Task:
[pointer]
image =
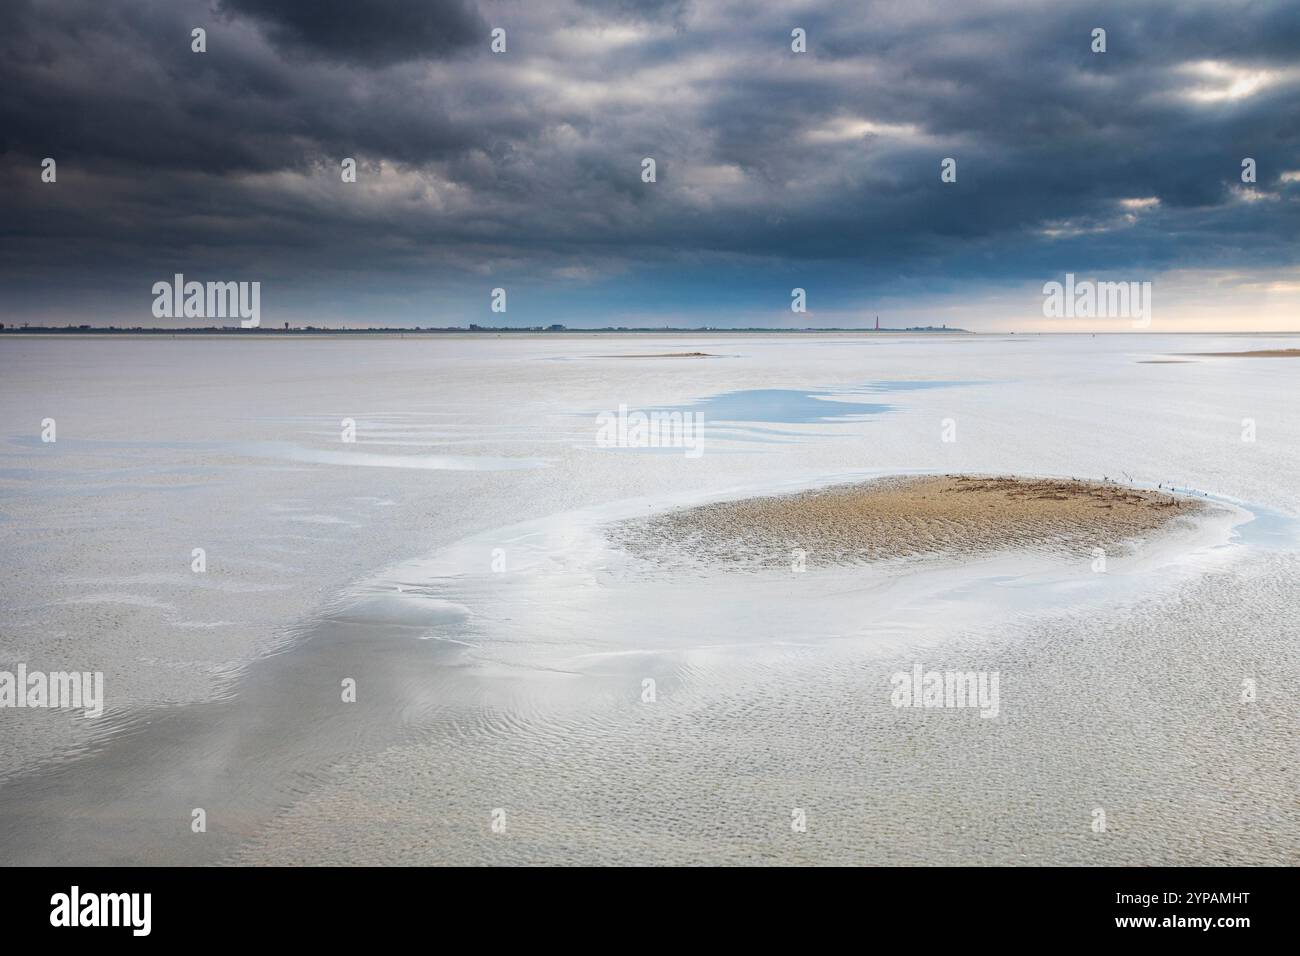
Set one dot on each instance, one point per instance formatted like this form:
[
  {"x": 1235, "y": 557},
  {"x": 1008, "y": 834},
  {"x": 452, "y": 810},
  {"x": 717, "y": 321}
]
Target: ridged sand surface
[{"x": 909, "y": 516}]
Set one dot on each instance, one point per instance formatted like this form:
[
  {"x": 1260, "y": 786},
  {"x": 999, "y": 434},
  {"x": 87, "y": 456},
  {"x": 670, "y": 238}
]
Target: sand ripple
[{"x": 908, "y": 516}]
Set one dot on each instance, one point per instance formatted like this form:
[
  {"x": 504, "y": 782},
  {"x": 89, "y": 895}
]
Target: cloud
[
  {"x": 774, "y": 168},
  {"x": 671, "y": 10},
  {"x": 374, "y": 33}
]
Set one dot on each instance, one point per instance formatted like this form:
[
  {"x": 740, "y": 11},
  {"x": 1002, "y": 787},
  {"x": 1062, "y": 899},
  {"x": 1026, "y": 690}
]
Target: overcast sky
[{"x": 775, "y": 169}]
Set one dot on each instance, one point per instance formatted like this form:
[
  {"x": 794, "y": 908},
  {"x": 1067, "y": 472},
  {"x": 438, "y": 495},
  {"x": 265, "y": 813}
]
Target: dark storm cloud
[
  {"x": 478, "y": 169},
  {"x": 377, "y": 32}
]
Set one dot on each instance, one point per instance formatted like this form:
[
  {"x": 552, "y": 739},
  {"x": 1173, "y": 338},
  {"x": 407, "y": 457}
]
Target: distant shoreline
[{"x": 317, "y": 330}]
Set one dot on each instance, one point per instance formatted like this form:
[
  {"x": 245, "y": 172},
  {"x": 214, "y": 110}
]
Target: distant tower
[{"x": 877, "y": 323}]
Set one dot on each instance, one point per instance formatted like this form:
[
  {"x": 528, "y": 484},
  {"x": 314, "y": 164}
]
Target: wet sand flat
[
  {"x": 909, "y": 516},
  {"x": 1121, "y": 691}
]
